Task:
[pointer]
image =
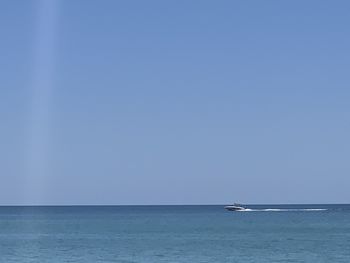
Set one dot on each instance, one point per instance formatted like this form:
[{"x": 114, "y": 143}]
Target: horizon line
[{"x": 75, "y": 205}]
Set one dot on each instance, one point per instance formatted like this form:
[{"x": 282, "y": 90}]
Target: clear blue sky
[{"x": 174, "y": 102}]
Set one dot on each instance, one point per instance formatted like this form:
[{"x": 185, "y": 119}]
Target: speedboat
[{"x": 235, "y": 207}]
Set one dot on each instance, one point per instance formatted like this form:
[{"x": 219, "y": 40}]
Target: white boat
[{"x": 235, "y": 207}]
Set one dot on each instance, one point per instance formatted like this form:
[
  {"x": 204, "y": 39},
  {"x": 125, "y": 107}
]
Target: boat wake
[{"x": 283, "y": 210}]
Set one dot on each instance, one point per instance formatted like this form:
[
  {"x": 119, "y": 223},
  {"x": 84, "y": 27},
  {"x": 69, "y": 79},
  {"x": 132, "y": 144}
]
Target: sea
[{"x": 263, "y": 233}]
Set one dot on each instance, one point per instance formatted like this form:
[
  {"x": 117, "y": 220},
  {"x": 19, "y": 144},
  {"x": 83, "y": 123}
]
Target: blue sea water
[{"x": 269, "y": 233}]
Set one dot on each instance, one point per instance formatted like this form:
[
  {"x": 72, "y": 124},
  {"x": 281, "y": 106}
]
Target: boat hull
[{"x": 234, "y": 208}]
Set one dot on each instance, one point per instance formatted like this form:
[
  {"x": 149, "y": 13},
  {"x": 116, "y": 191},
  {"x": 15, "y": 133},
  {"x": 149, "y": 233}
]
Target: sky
[{"x": 174, "y": 102}]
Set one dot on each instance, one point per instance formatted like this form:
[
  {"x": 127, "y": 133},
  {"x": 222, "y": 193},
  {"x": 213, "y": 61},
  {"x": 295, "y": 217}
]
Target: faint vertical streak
[{"x": 42, "y": 87}]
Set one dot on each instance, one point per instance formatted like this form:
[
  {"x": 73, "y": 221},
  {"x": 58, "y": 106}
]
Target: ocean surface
[{"x": 267, "y": 233}]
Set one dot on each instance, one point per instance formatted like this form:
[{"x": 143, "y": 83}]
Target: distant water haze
[{"x": 163, "y": 102}]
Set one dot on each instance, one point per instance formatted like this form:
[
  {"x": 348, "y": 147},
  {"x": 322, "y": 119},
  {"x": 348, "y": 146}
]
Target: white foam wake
[{"x": 283, "y": 210}]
